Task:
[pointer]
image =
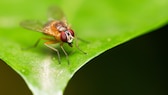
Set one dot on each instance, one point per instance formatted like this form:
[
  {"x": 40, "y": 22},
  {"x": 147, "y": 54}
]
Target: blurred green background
[{"x": 138, "y": 67}]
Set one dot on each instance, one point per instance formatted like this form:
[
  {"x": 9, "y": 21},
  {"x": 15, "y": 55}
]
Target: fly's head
[
  {"x": 66, "y": 33},
  {"x": 67, "y": 36}
]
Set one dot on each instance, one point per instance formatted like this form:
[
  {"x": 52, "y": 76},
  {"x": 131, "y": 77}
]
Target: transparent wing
[
  {"x": 32, "y": 25},
  {"x": 55, "y": 13}
]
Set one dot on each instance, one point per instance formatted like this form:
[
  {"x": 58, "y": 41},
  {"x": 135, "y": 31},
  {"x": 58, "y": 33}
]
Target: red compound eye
[
  {"x": 72, "y": 32},
  {"x": 63, "y": 37}
]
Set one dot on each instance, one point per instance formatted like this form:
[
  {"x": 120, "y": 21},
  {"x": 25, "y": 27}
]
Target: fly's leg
[
  {"x": 36, "y": 44},
  {"x": 82, "y": 40},
  {"x": 77, "y": 46},
  {"x": 53, "y": 42},
  {"x": 65, "y": 53}
]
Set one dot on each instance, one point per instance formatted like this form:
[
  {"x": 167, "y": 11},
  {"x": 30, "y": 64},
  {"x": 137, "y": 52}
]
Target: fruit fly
[{"x": 56, "y": 27}]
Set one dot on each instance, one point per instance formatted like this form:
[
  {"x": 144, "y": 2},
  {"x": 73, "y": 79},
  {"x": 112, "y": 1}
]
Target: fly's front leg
[{"x": 77, "y": 46}]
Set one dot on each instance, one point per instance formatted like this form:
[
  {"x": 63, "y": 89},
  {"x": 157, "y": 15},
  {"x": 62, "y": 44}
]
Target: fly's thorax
[{"x": 50, "y": 29}]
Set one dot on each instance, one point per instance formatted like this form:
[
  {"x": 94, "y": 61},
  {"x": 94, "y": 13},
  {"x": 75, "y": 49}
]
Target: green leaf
[{"x": 104, "y": 23}]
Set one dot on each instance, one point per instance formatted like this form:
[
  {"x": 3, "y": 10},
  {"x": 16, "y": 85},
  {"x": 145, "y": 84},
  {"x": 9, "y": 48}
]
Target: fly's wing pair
[
  {"x": 53, "y": 13},
  {"x": 33, "y": 25}
]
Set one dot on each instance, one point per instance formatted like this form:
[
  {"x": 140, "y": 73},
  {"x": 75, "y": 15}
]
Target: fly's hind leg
[{"x": 36, "y": 44}]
